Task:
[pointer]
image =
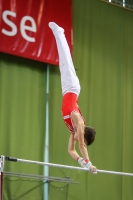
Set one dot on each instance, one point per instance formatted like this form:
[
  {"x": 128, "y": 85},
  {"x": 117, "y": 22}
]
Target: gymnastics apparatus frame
[{"x": 67, "y": 180}]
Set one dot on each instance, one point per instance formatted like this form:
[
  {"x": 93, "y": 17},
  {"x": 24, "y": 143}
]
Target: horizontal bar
[
  {"x": 39, "y": 177},
  {"x": 66, "y": 166},
  {"x": 114, "y": 172}
]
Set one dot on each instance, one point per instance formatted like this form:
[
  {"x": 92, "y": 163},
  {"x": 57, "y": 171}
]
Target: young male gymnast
[{"x": 72, "y": 116}]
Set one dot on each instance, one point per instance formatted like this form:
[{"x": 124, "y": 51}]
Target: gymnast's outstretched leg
[{"x": 69, "y": 79}]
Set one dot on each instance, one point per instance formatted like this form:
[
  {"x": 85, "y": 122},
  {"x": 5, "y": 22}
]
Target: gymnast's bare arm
[
  {"x": 71, "y": 147},
  {"x": 78, "y": 125}
]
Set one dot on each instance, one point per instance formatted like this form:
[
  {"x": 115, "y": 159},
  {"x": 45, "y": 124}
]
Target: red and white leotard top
[{"x": 69, "y": 105}]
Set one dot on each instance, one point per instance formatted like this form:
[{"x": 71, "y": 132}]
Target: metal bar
[
  {"x": 2, "y": 162},
  {"x": 33, "y": 176},
  {"x": 46, "y": 148},
  {"x": 119, "y": 4},
  {"x": 39, "y": 177},
  {"x": 66, "y": 166},
  {"x": 114, "y": 172},
  {"x": 0, "y": 182}
]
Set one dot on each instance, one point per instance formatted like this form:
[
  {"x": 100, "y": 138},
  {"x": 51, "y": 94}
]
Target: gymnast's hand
[
  {"x": 91, "y": 168},
  {"x": 87, "y": 164}
]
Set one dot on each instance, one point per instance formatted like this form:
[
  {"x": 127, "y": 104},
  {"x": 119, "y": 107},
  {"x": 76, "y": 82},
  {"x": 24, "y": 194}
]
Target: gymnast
[{"x": 71, "y": 113}]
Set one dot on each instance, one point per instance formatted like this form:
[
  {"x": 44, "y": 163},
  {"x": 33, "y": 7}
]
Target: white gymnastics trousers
[{"x": 69, "y": 79}]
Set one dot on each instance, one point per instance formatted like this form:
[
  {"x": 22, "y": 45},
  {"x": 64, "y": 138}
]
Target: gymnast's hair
[{"x": 89, "y": 135}]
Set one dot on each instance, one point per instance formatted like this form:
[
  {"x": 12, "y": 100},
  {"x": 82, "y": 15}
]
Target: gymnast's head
[{"x": 89, "y": 135}]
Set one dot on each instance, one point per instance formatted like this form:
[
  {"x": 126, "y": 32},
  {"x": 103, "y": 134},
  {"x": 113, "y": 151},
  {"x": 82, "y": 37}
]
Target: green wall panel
[
  {"x": 22, "y": 121},
  {"x": 102, "y": 55}
]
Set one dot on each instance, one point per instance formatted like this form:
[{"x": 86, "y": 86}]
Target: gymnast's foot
[{"x": 55, "y": 27}]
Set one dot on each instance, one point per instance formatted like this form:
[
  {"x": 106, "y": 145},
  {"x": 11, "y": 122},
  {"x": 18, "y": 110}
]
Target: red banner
[{"x": 24, "y": 27}]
